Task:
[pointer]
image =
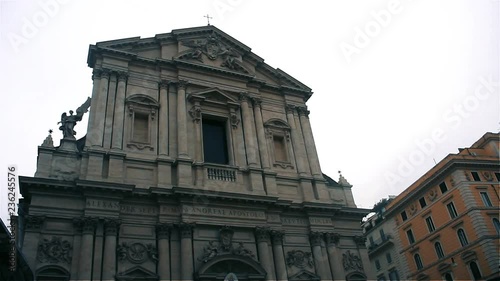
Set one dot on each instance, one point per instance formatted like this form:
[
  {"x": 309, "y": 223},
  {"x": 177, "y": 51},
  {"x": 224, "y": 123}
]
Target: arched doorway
[{"x": 244, "y": 268}]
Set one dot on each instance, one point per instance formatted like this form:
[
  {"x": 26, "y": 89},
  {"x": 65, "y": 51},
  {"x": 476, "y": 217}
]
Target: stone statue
[{"x": 69, "y": 122}]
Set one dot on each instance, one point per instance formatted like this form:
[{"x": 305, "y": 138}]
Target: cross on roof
[{"x": 208, "y": 18}]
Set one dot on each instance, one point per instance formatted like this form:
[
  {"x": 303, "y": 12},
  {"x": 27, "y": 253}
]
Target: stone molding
[
  {"x": 262, "y": 234},
  {"x": 316, "y": 237}
]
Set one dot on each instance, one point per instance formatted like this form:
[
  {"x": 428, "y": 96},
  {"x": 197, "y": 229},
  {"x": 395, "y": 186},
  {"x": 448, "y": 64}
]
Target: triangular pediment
[
  {"x": 303, "y": 275},
  {"x": 214, "y": 95},
  {"x": 137, "y": 273},
  {"x": 206, "y": 49}
]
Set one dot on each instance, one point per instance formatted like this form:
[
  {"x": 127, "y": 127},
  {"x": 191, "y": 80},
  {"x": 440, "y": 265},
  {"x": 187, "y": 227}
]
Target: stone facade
[{"x": 141, "y": 198}]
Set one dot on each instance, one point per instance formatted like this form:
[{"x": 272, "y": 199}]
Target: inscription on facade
[
  {"x": 213, "y": 211},
  {"x": 320, "y": 221},
  {"x": 294, "y": 221},
  {"x": 145, "y": 210},
  {"x": 102, "y": 204}
]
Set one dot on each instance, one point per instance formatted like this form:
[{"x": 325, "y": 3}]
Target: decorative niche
[
  {"x": 278, "y": 141},
  {"x": 140, "y": 122}
]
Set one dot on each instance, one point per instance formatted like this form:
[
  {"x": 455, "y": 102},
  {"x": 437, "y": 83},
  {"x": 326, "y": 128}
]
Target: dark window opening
[
  {"x": 476, "y": 274},
  {"x": 486, "y": 199},
  {"x": 452, "y": 210},
  {"x": 462, "y": 237},
  {"x": 448, "y": 277},
  {"x": 404, "y": 216},
  {"x": 388, "y": 257},
  {"x": 430, "y": 224},
  {"x": 411, "y": 238},
  {"x": 439, "y": 250},
  {"x": 497, "y": 175},
  {"x": 422, "y": 202},
  {"x": 475, "y": 176},
  {"x": 418, "y": 261},
  {"x": 215, "y": 142},
  {"x": 443, "y": 187}
]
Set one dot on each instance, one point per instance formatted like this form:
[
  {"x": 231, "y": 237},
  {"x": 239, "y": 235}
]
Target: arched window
[
  {"x": 462, "y": 237},
  {"x": 474, "y": 269},
  {"x": 496, "y": 223},
  {"x": 448, "y": 277},
  {"x": 418, "y": 261},
  {"x": 52, "y": 273},
  {"x": 439, "y": 250}
]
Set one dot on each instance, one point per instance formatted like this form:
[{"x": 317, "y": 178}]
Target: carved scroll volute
[
  {"x": 88, "y": 225},
  {"x": 186, "y": 230},
  {"x": 163, "y": 230},
  {"x": 332, "y": 239},
  {"x": 111, "y": 227},
  {"x": 34, "y": 223},
  {"x": 316, "y": 237},
  {"x": 262, "y": 234}
]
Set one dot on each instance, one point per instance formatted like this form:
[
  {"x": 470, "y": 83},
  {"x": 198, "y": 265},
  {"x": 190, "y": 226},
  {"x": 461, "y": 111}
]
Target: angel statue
[{"x": 69, "y": 122}]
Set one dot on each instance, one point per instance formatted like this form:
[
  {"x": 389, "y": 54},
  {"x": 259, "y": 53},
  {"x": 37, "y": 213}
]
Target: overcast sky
[{"x": 397, "y": 85}]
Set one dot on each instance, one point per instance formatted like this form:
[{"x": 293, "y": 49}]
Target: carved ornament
[
  {"x": 262, "y": 234},
  {"x": 224, "y": 246},
  {"x": 186, "y": 230},
  {"x": 332, "y": 238},
  {"x": 299, "y": 259},
  {"x": 34, "y": 222},
  {"x": 316, "y": 237},
  {"x": 432, "y": 194},
  {"x": 111, "y": 227},
  {"x": 55, "y": 250},
  {"x": 351, "y": 261},
  {"x": 163, "y": 230},
  {"x": 136, "y": 252}
]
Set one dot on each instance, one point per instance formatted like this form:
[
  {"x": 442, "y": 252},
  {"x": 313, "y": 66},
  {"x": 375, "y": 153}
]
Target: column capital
[
  {"x": 34, "y": 223},
  {"x": 186, "y": 229},
  {"x": 163, "y": 230},
  {"x": 262, "y": 234},
  {"x": 105, "y": 73},
  {"x": 164, "y": 83},
  {"x": 111, "y": 226},
  {"x": 96, "y": 73},
  {"x": 290, "y": 108},
  {"x": 182, "y": 84},
  {"x": 244, "y": 97},
  {"x": 122, "y": 76},
  {"x": 87, "y": 224},
  {"x": 257, "y": 102},
  {"x": 359, "y": 240},
  {"x": 332, "y": 238},
  {"x": 277, "y": 236},
  {"x": 302, "y": 110},
  {"x": 316, "y": 237}
]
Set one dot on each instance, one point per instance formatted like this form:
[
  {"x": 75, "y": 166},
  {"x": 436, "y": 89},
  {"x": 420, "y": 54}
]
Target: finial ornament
[
  {"x": 208, "y": 18},
  {"x": 69, "y": 122}
]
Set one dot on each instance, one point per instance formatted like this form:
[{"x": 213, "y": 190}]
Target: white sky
[{"x": 416, "y": 72}]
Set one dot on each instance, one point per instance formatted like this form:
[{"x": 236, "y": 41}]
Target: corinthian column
[
  {"x": 248, "y": 131},
  {"x": 182, "y": 141},
  {"x": 96, "y": 78},
  {"x": 261, "y": 137},
  {"x": 279, "y": 259},
  {"x": 100, "y": 110},
  {"x": 316, "y": 238},
  {"x": 312, "y": 155},
  {"x": 163, "y": 236},
  {"x": 163, "y": 119},
  {"x": 298, "y": 146},
  {"x": 334, "y": 256},
  {"x": 186, "y": 231},
  {"x": 119, "y": 113},
  {"x": 263, "y": 239},
  {"x": 111, "y": 227},
  {"x": 88, "y": 228}
]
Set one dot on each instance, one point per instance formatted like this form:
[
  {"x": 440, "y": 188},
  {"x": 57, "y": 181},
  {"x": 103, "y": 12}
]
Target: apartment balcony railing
[{"x": 379, "y": 244}]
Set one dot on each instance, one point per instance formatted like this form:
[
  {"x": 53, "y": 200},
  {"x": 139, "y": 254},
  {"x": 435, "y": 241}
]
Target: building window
[
  {"x": 215, "y": 142},
  {"x": 382, "y": 234},
  {"x": 451, "y": 209},
  {"x": 422, "y": 202},
  {"x": 418, "y": 261},
  {"x": 141, "y": 128},
  {"x": 388, "y": 257},
  {"x": 474, "y": 269},
  {"x": 496, "y": 223},
  {"x": 462, "y": 237},
  {"x": 280, "y": 153},
  {"x": 393, "y": 275},
  {"x": 497, "y": 175},
  {"x": 439, "y": 250},
  {"x": 448, "y": 277},
  {"x": 443, "y": 187},
  {"x": 372, "y": 243},
  {"x": 475, "y": 176},
  {"x": 377, "y": 264},
  {"x": 404, "y": 216},
  {"x": 486, "y": 199},
  {"x": 430, "y": 224},
  {"x": 381, "y": 278},
  {"x": 278, "y": 133},
  {"x": 411, "y": 238}
]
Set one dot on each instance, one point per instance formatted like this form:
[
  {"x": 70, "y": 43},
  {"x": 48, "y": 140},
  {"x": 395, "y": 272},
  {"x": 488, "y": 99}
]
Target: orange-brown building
[{"x": 448, "y": 220}]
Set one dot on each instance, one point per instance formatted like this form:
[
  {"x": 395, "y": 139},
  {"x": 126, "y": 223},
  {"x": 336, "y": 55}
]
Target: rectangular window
[
  {"x": 430, "y": 224},
  {"x": 381, "y": 278},
  {"x": 418, "y": 261},
  {"x": 377, "y": 264},
  {"x": 280, "y": 149},
  {"x": 497, "y": 175},
  {"x": 215, "y": 142},
  {"x": 411, "y": 238},
  {"x": 475, "y": 176},
  {"x": 451, "y": 210},
  {"x": 486, "y": 199},
  {"x": 388, "y": 257},
  {"x": 422, "y": 202},
  {"x": 372, "y": 243},
  {"x": 393, "y": 275},
  {"x": 141, "y": 128},
  {"x": 443, "y": 187},
  {"x": 403, "y": 215},
  {"x": 382, "y": 234}
]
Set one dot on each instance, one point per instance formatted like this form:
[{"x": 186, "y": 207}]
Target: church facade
[{"x": 199, "y": 163}]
